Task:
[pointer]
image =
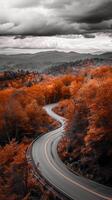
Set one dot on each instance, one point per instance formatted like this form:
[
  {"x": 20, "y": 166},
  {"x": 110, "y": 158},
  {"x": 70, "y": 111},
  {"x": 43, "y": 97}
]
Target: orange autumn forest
[{"x": 84, "y": 99}]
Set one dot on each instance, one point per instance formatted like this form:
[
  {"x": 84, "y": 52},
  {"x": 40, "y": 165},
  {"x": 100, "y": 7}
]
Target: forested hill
[{"x": 43, "y": 60}]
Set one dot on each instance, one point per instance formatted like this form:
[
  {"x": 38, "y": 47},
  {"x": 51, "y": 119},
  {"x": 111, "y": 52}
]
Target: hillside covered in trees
[
  {"x": 87, "y": 145},
  {"x": 84, "y": 99}
]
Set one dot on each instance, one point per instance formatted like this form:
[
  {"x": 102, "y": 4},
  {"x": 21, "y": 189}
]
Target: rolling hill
[{"x": 43, "y": 60}]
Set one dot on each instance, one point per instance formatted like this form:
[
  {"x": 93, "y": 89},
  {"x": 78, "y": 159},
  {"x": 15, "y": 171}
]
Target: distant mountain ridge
[{"x": 43, "y": 60}]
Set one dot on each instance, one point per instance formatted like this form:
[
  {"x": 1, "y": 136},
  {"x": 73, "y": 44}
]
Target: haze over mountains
[{"x": 43, "y": 60}]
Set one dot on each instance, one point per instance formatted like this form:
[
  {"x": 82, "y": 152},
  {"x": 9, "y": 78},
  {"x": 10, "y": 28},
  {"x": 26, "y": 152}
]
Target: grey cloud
[
  {"x": 56, "y": 4},
  {"x": 19, "y": 37},
  {"x": 26, "y": 3},
  {"x": 55, "y": 17},
  {"x": 89, "y": 35},
  {"x": 97, "y": 15}
]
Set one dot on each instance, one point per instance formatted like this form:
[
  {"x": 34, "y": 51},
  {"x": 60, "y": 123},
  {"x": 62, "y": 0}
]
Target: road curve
[{"x": 45, "y": 157}]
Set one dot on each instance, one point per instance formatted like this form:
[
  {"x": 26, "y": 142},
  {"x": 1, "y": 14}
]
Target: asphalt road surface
[{"x": 45, "y": 157}]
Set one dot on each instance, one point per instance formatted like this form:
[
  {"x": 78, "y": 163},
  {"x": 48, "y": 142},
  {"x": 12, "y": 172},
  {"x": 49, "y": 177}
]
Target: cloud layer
[
  {"x": 52, "y": 17},
  {"x": 97, "y": 43}
]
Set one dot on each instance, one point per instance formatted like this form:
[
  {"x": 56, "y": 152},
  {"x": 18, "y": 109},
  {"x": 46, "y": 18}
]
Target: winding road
[{"x": 45, "y": 156}]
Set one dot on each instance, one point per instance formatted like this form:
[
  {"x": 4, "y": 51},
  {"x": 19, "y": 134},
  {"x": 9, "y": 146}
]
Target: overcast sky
[
  {"x": 51, "y": 17},
  {"x": 87, "y": 18}
]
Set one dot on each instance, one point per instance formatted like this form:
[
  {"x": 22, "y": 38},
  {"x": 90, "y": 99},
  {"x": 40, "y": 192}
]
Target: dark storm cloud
[
  {"x": 96, "y": 15},
  {"x": 51, "y": 17},
  {"x": 19, "y": 37},
  {"x": 89, "y": 35}
]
